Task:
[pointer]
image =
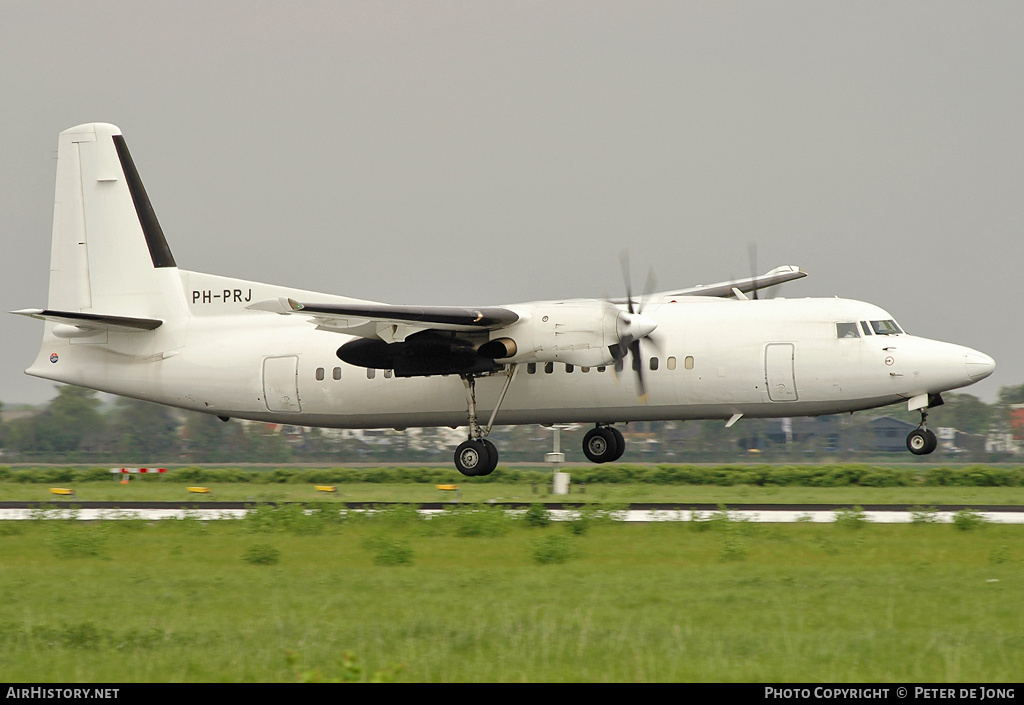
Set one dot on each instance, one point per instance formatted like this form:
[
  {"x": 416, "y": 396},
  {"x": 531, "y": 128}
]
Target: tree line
[{"x": 77, "y": 426}]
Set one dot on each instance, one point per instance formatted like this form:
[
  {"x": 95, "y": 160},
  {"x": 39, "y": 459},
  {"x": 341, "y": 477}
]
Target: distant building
[
  {"x": 888, "y": 434},
  {"x": 1002, "y": 443},
  {"x": 954, "y": 441},
  {"x": 817, "y": 432},
  {"x": 1017, "y": 421},
  {"x": 14, "y": 414}
]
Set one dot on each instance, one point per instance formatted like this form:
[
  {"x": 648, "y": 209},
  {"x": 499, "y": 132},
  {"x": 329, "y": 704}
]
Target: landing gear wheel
[
  {"x": 473, "y": 458},
  {"x": 921, "y": 441},
  {"x": 620, "y": 444},
  {"x": 601, "y": 444},
  {"x": 492, "y": 453}
]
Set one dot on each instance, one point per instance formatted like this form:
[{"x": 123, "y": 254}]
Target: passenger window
[
  {"x": 688, "y": 362},
  {"x": 847, "y": 330},
  {"x": 584, "y": 369},
  {"x": 531, "y": 368},
  {"x": 601, "y": 368},
  {"x": 549, "y": 367},
  {"x": 370, "y": 373},
  {"x": 654, "y": 364},
  {"x": 671, "y": 363},
  {"x": 319, "y": 374},
  {"x": 568, "y": 368},
  {"x": 388, "y": 373},
  {"x": 337, "y": 373}
]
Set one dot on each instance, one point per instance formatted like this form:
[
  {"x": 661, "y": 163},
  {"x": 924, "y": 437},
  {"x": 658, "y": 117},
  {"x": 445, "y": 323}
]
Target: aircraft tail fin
[{"x": 109, "y": 256}]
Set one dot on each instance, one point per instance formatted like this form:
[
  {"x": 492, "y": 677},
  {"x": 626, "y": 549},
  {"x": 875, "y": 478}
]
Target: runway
[{"x": 635, "y": 513}]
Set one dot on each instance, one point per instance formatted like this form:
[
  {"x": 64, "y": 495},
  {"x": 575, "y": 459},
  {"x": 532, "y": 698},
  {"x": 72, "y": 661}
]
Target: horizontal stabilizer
[{"x": 92, "y": 321}]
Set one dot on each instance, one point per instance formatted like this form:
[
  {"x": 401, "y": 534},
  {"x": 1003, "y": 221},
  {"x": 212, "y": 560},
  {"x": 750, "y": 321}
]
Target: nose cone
[
  {"x": 633, "y": 326},
  {"x": 979, "y": 365}
]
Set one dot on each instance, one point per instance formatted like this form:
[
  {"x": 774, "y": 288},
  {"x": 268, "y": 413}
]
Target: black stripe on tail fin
[{"x": 158, "y": 249}]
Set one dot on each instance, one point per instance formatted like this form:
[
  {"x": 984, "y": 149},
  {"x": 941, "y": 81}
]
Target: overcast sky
[{"x": 492, "y": 152}]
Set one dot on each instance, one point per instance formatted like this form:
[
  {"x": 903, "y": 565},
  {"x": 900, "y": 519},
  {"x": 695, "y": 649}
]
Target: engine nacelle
[
  {"x": 583, "y": 333},
  {"x": 499, "y": 349},
  {"x": 426, "y": 353}
]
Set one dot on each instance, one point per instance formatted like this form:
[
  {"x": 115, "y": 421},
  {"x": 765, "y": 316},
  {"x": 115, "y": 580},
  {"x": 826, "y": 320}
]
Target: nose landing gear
[{"x": 921, "y": 440}]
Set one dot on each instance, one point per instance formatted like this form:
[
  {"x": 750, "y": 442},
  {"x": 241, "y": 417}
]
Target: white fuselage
[
  {"x": 122, "y": 318},
  {"x": 713, "y": 358}
]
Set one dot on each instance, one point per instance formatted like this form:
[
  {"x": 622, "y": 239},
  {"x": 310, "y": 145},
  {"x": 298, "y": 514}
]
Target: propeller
[
  {"x": 752, "y": 254},
  {"x": 632, "y": 325},
  {"x": 755, "y": 276}
]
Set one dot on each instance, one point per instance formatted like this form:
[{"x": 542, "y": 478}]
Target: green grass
[
  {"x": 155, "y": 490},
  {"x": 845, "y": 483},
  {"x": 476, "y": 596}
]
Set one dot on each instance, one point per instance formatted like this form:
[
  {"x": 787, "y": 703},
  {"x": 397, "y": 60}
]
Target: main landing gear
[
  {"x": 477, "y": 456},
  {"x": 603, "y": 444},
  {"x": 921, "y": 440}
]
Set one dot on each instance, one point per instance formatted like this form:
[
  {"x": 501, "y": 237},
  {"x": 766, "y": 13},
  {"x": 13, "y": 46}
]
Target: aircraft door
[
  {"x": 280, "y": 383},
  {"x": 778, "y": 371}
]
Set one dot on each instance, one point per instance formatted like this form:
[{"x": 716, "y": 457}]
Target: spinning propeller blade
[{"x": 635, "y": 326}]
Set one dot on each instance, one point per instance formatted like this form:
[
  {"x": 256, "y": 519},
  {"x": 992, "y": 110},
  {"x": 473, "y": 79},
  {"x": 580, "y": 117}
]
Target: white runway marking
[{"x": 632, "y": 515}]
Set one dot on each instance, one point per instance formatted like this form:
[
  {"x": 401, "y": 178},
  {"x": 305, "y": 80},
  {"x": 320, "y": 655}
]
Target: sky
[{"x": 485, "y": 153}]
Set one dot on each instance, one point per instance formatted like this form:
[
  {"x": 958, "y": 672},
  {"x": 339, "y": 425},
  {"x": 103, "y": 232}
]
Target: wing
[
  {"x": 391, "y": 323},
  {"x": 775, "y": 277}
]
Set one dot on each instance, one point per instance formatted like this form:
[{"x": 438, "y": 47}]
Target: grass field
[
  {"x": 155, "y": 490},
  {"x": 844, "y": 483},
  {"x": 477, "y": 596}
]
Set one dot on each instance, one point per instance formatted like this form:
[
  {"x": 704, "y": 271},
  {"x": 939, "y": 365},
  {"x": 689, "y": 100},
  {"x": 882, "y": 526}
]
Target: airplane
[{"x": 122, "y": 318}]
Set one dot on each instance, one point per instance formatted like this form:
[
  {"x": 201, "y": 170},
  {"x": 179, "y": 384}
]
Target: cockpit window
[
  {"x": 847, "y": 330},
  {"x": 865, "y": 327},
  {"x": 885, "y": 327}
]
